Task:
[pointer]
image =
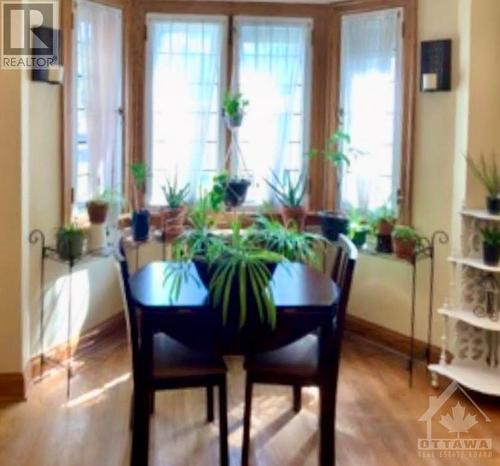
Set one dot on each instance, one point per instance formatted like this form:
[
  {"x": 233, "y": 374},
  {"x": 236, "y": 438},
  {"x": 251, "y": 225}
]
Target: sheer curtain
[
  {"x": 271, "y": 69},
  {"x": 370, "y": 97},
  {"x": 184, "y": 139},
  {"x": 98, "y": 99}
]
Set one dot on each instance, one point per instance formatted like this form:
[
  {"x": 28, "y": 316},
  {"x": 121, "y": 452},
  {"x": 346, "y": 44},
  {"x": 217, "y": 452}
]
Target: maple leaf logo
[{"x": 459, "y": 422}]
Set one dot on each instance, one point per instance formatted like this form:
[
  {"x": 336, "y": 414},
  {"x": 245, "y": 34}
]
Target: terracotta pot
[
  {"x": 385, "y": 227},
  {"x": 98, "y": 211},
  {"x": 173, "y": 221},
  {"x": 404, "y": 249},
  {"x": 297, "y": 215}
]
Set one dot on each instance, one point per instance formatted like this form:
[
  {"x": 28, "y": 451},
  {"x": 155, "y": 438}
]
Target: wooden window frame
[
  {"x": 67, "y": 26},
  {"x": 324, "y": 92}
]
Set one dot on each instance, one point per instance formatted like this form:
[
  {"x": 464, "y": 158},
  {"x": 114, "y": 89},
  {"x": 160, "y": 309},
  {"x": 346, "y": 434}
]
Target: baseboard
[
  {"x": 86, "y": 343},
  {"x": 388, "y": 338}
]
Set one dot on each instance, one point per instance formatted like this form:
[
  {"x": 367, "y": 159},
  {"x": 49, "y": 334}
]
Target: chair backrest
[
  {"x": 342, "y": 273},
  {"x": 129, "y": 308}
]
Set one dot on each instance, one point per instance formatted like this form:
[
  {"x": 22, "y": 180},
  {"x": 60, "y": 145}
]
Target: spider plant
[
  {"x": 288, "y": 241},
  {"x": 489, "y": 176},
  {"x": 240, "y": 266}
]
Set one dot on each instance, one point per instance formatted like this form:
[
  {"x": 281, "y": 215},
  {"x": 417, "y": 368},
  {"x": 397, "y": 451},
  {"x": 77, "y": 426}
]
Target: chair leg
[
  {"x": 297, "y": 398},
  {"x": 224, "y": 450},
  {"x": 152, "y": 403},
  {"x": 210, "y": 403},
  {"x": 246, "y": 422}
]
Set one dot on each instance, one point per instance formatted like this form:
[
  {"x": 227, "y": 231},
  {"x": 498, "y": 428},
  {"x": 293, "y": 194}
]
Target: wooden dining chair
[
  {"x": 176, "y": 366},
  {"x": 298, "y": 364}
]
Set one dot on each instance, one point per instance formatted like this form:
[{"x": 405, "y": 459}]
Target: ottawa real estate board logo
[
  {"x": 452, "y": 421},
  {"x": 30, "y": 38}
]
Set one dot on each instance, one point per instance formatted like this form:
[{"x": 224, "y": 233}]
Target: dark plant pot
[
  {"x": 404, "y": 249},
  {"x": 140, "y": 225},
  {"x": 359, "y": 238},
  {"x": 333, "y": 224},
  {"x": 493, "y": 205},
  {"x": 70, "y": 247},
  {"x": 236, "y": 192},
  {"x": 384, "y": 244},
  {"x": 297, "y": 215},
  {"x": 98, "y": 211},
  {"x": 491, "y": 254}
]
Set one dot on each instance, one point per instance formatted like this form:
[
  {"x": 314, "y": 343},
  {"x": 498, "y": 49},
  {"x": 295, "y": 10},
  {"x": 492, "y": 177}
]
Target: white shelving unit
[{"x": 472, "y": 325}]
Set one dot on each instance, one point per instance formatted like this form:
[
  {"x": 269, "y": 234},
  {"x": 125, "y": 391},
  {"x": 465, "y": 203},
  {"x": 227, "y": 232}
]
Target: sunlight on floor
[{"x": 93, "y": 396}]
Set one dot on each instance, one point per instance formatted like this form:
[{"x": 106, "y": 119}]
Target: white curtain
[
  {"x": 370, "y": 97},
  {"x": 271, "y": 69},
  {"x": 184, "y": 81},
  {"x": 99, "y": 89}
]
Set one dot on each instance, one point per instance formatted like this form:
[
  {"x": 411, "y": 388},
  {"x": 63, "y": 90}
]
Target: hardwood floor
[{"x": 377, "y": 421}]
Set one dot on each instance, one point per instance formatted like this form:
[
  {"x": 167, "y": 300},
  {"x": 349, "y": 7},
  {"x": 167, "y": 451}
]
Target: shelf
[
  {"x": 476, "y": 263},
  {"x": 479, "y": 378},
  {"x": 468, "y": 316},
  {"x": 480, "y": 214}
]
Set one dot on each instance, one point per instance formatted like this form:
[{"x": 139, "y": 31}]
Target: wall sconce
[{"x": 435, "y": 66}]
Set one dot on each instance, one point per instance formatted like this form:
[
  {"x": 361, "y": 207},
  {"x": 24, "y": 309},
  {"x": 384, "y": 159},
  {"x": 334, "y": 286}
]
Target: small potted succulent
[
  {"x": 290, "y": 195},
  {"x": 140, "y": 215},
  {"x": 338, "y": 152},
  {"x": 406, "y": 241},
  {"x": 384, "y": 221},
  {"x": 359, "y": 228},
  {"x": 69, "y": 242},
  {"x": 174, "y": 215},
  {"x": 489, "y": 176},
  {"x": 233, "y": 109},
  {"x": 97, "y": 209},
  {"x": 491, "y": 246},
  {"x": 230, "y": 190}
]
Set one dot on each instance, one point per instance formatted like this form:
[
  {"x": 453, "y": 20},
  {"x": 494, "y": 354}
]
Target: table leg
[{"x": 142, "y": 404}]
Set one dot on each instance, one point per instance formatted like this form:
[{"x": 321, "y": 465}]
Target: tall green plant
[
  {"x": 487, "y": 173},
  {"x": 289, "y": 194},
  {"x": 139, "y": 171}
]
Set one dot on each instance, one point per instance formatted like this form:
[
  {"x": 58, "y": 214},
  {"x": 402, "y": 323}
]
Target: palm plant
[
  {"x": 288, "y": 241},
  {"x": 139, "y": 173}
]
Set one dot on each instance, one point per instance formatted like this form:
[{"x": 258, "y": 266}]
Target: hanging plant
[{"x": 233, "y": 109}]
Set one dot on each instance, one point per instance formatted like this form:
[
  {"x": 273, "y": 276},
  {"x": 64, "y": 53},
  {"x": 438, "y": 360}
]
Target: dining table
[{"x": 305, "y": 300}]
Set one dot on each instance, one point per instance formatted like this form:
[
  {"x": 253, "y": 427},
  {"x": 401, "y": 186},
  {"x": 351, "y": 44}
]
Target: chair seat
[
  {"x": 175, "y": 360},
  {"x": 296, "y": 359}
]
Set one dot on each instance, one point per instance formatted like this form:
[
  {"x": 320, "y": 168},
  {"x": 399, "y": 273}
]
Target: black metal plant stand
[{"x": 47, "y": 252}]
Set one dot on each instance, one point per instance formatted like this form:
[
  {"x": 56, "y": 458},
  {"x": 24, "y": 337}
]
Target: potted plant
[
  {"x": 489, "y": 175},
  {"x": 384, "y": 220},
  {"x": 290, "y": 195},
  {"x": 287, "y": 240},
  {"x": 230, "y": 190},
  {"x": 491, "y": 246},
  {"x": 140, "y": 215},
  {"x": 359, "y": 227},
  {"x": 338, "y": 153},
  {"x": 233, "y": 109},
  {"x": 406, "y": 241},
  {"x": 174, "y": 215},
  {"x": 97, "y": 209},
  {"x": 69, "y": 242}
]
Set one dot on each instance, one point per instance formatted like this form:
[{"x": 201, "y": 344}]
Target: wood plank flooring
[{"x": 377, "y": 420}]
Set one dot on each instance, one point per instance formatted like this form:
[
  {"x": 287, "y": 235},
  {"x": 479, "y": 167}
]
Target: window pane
[
  {"x": 97, "y": 135},
  {"x": 184, "y": 83},
  {"x": 371, "y": 86},
  {"x": 272, "y": 66}
]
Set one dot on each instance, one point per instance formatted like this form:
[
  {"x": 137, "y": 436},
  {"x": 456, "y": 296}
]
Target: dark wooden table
[{"x": 305, "y": 300}]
